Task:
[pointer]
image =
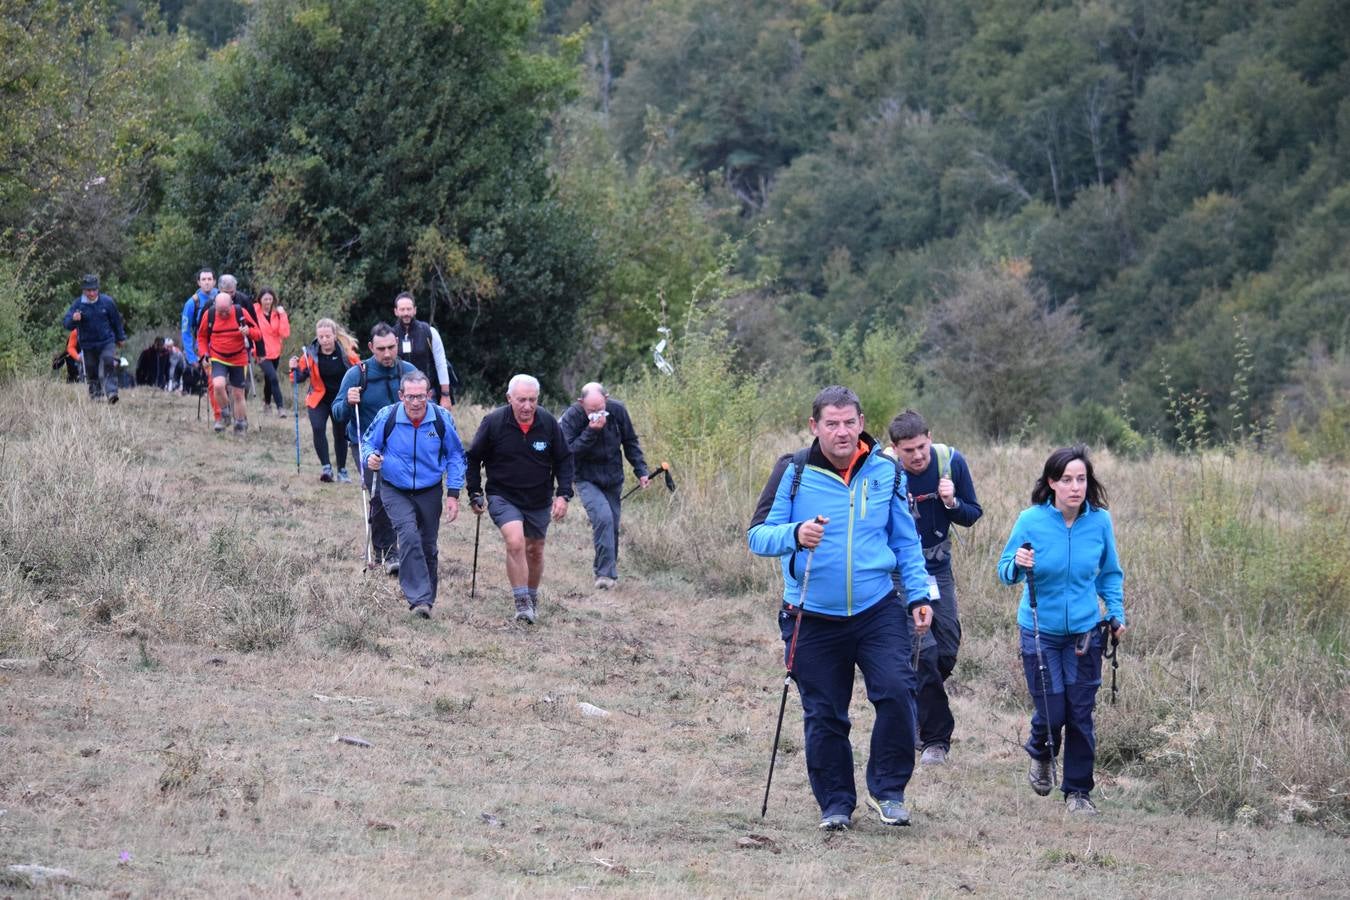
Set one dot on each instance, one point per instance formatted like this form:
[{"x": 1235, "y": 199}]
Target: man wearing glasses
[{"x": 416, "y": 450}]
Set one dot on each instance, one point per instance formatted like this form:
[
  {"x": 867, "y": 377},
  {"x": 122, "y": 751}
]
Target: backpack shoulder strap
[
  {"x": 389, "y": 424},
  {"x": 798, "y": 466},
  {"x": 944, "y": 458},
  {"x": 363, "y": 378}
]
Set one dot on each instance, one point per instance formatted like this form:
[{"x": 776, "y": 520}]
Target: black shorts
[
  {"x": 535, "y": 520},
  {"x": 233, "y": 375}
]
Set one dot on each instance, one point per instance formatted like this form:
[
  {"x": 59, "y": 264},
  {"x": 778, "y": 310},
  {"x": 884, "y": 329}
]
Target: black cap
[{"x": 89, "y": 283}]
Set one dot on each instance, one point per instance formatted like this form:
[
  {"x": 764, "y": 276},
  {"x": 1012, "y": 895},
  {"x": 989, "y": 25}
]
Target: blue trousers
[
  {"x": 877, "y": 642},
  {"x": 1069, "y": 700},
  {"x": 602, "y": 508},
  {"x": 416, "y": 518}
]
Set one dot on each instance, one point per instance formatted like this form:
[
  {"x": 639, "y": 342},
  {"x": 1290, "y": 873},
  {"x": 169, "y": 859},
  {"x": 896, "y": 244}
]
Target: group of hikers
[{"x": 863, "y": 530}]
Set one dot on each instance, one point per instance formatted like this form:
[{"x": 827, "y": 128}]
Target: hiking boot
[
  {"x": 1079, "y": 804},
  {"x": 226, "y": 416},
  {"x": 524, "y": 610},
  {"x": 267, "y": 409},
  {"x": 604, "y": 583},
  {"x": 422, "y": 611},
  {"x": 835, "y": 822},
  {"x": 891, "y": 812},
  {"x": 218, "y": 425},
  {"x": 343, "y": 477},
  {"x": 934, "y": 755},
  {"x": 391, "y": 567},
  {"x": 1040, "y": 777},
  {"x": 112, "y": 399},
  {"x": 281, "y": 412},
  {"x": 327, "y": 474},
  {"x": 241, "y": 426}
]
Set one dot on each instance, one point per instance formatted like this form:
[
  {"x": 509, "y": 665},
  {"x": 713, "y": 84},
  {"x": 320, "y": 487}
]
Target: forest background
[{"x": 1125, "y": 221}]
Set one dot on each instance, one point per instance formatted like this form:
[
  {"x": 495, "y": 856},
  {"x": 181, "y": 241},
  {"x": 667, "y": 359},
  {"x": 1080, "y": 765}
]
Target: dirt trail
[{"x": 158, "y": 767}]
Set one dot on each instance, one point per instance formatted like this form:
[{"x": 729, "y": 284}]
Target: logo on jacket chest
[{"x": 541, "y": 446}]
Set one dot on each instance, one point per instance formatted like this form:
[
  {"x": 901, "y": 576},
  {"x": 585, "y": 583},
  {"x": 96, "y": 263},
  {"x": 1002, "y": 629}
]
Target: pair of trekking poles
[{"x": 1042, "y": 672}]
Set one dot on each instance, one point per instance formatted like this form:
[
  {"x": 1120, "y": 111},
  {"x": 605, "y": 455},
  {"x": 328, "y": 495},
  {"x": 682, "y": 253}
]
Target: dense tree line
[
  {"x": 1164, "y": 187},
  {"x": 1164, "y": 168}
]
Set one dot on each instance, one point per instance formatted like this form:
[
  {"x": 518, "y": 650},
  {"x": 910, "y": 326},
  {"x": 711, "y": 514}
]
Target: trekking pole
[
  {"x": 1041, "y": 672},
  {"x": 248, "y": 365},
  {"x": 365, "y": 495},
  {"x": 473, "y": 581},
  {"x": 1111, "y": 626},
  {"x": 664, "y": 469},
  {"x": 788, "y": 676},
  {"x": 295, "y": 402}
]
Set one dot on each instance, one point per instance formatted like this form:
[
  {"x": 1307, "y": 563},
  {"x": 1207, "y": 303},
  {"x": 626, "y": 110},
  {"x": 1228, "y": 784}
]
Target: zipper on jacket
[
  {"x": 1068, "y": 571},
  {"x": 848, "y": 554},
  {"x": 414, "y": 451}
]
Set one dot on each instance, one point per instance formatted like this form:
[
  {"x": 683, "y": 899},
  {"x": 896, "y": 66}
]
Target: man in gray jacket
[{"x": 598, "y": 430}]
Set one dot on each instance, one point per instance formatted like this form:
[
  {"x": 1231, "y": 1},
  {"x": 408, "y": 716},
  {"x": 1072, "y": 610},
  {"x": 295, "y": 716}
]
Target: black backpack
[
  {"x": 798, "y": 463},
  {"x": 438, "y": 423},
  {"x": 211, "y": 320}
]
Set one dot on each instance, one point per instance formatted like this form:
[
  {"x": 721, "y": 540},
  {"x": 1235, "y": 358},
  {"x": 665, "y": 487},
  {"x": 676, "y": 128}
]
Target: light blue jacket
[
  {"x": 197, "y": 303},
  {"x": 870, "y": 535},
  {"x": 1074, "y": 566},
  {"x": 415, "y": 457}
]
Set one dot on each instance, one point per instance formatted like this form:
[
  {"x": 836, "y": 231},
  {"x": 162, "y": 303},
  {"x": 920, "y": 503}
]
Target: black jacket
[
  {"x": 522, "y": 468},
  {"x": 597, "y": 451}
]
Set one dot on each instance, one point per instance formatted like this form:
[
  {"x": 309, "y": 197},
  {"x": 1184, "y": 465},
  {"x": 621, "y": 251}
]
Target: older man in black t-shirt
[{"x": 529, "y": 480}]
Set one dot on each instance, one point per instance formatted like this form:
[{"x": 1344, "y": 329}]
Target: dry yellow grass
[{"x": 145, "y": 752}]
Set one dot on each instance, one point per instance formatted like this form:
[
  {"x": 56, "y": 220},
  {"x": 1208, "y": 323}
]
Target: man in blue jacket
[
  {"x": 196, "y": 304},
  {"x": 366, "y": 389},
  {"x": 941, "y": 496},
  {"x": 839, "y": 508},
  {"x": 415, "y": 447},
  {"x": 95, "y": 317}
]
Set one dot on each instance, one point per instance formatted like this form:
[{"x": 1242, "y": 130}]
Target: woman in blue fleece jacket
[{"x": 1072, "y": 556}]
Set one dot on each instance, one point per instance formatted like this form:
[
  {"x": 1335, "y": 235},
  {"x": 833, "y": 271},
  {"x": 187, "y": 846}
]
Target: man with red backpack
[{"x": 222, "y": 339}]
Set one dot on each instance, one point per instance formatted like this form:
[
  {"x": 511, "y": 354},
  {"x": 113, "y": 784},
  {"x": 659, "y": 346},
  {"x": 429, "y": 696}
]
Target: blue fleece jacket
[
  {"x": 196, "y": 304},
  {"x": 415, "y": 457},
  {"x": 870, "y": 535},
  {"x": 381, "y": 391},
  {"x": 100, "y": 323},
  {"x": 1074, "y": 566}
]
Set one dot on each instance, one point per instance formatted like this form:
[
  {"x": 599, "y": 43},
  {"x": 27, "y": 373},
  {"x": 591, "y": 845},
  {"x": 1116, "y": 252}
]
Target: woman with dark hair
[
  {"x": 273, "y": 329},
  {"x": 1064, "y": 546}
]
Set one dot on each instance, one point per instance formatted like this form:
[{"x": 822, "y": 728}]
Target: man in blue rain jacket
[{"x": 838, "y": 508}]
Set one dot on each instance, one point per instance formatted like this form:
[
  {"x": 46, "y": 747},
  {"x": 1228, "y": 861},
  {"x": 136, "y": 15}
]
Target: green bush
[
  {"x": 1097, "y": 426},
  {"x": 879, "y": 366}
]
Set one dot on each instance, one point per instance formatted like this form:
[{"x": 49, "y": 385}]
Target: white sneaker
[{"x": 604, "y": 583}]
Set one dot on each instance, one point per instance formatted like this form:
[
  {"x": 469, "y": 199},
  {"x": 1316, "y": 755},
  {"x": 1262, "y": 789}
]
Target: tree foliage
[
  {"x": 1154, "y": 162},
  {"x": 355, "y": 149}
]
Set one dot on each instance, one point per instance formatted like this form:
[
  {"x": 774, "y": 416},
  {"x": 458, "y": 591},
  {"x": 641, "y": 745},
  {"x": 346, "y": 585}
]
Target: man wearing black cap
[{"x": 95, "y": 317}]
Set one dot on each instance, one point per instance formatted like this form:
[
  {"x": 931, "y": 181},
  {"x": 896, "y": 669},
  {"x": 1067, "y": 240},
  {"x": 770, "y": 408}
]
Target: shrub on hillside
[
  {"x": 1097, "y": 426},
  {"x": 995, "y": 338}
]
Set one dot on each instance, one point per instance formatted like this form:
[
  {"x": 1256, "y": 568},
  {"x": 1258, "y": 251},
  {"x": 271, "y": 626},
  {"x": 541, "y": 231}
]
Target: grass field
[{"x": 185, "y": 629}]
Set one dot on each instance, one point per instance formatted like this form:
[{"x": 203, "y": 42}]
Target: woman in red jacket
[
  {"x": 273, "y": 329},
  {"x": 324, "y": 362}
]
